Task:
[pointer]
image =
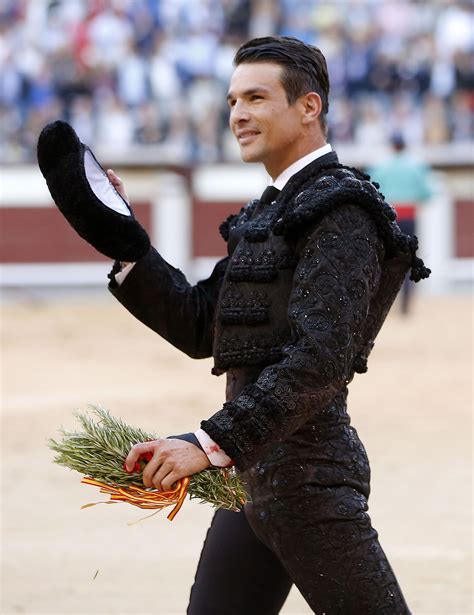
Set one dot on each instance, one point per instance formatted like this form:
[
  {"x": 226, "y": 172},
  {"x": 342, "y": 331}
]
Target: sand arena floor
[{"x": 412, "y": 410}]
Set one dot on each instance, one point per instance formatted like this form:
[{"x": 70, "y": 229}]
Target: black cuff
[
  {"x": 188, "y": 437},
  {"x": 115, "y": 269}
]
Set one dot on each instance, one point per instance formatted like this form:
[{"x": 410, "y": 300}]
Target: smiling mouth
[{"x": 246, "y": 137}]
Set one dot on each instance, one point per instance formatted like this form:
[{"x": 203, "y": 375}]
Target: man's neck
[{"x": 281, "y": 180}]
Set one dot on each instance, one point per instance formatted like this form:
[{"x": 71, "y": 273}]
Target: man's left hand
[{"x": 172, "y": 460}]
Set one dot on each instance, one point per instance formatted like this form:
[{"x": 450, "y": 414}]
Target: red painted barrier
[{"x": 42, "y": 235}]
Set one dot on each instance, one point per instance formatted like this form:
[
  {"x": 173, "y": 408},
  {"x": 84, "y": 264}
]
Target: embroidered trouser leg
[
  {"x": 325, "y": 540},
  {"x": 237, "y": 574}
]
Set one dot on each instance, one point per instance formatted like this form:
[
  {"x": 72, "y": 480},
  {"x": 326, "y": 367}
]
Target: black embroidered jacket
[{"x": 294, "y": 309}]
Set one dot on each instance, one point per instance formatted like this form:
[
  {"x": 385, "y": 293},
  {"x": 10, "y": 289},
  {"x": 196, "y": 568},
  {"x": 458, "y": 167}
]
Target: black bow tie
[{"x": 269, "y": 194}]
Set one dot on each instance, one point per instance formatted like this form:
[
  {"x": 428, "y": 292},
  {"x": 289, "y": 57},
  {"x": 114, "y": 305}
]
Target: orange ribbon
[{"x": 143, "y": 498}]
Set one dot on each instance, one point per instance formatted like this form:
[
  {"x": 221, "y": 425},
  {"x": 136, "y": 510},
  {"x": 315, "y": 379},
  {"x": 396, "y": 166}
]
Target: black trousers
[
  {"x": 308, "y": 524},
  {"x": 338, "y": 566},
  {"x": 406, "y": 293},
  {"x": 237, "y": 574}
]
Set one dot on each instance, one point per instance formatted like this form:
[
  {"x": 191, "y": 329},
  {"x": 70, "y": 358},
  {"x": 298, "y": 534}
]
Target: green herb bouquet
[{"x": 98, "y": 452}]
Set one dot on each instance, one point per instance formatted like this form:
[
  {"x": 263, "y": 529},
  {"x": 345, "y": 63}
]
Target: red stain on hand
[{"x": 137, "y": 468}]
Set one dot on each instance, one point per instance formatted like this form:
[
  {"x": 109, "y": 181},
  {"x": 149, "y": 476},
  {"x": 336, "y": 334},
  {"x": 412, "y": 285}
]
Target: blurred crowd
[{"x": 155, "y": 72}]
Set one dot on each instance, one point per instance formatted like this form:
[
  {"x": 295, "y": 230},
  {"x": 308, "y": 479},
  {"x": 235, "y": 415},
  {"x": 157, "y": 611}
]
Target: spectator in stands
[
  {"x": 405, "y": 184},
  {"x": 73, "y": 49}
]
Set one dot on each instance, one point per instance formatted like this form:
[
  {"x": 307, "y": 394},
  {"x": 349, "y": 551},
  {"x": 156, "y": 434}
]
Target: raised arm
[
  {"x": 159, "y": 295},
  {"x": 95, "y": 204}
]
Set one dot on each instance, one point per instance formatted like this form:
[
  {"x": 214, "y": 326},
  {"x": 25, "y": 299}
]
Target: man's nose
[{"x": 239, "y": 113}]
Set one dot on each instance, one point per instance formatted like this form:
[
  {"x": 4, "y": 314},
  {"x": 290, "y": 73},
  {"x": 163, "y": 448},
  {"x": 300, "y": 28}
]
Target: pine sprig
[
  {"x": 100, "y": 448},
  {"x": 209, "y": 485}
]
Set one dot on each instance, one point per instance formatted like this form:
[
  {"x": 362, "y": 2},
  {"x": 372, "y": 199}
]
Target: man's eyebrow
[{"x": 249, "y": 92}]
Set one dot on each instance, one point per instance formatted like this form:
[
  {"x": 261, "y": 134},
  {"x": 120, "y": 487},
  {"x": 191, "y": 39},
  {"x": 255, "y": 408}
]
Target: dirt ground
[{"x": 412, "y": 410}]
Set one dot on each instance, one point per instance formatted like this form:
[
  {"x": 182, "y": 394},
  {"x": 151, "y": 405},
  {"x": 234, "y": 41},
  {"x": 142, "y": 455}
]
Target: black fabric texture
[
  {"x": 116, "y": 268},
  {"x": 321, "y": 312},
  {"x": 324, "y": 313},
  {"x": 290, "y": 316},
  {"x": 159, "y": 295},
  {"x": 269, "y": 194},
  {"x": 237, "y": 574},
  {"x": 61, "y": 160}
]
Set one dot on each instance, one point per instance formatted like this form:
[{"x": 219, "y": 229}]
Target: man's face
[{"x": 266, "y": 127}]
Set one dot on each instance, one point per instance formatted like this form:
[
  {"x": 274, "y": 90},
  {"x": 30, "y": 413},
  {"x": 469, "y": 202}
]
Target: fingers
[
  {"x": 168, "y": 461},
  {"x": 114, "y": 178},
  {"x": 154, "y": 470},
  {"x": 137, "y": 451},
  {"x": 169, "y": 482},
  {"x": 117, "y": 184},
  {"x": 163, "y": 478},
  {"x": 158, "y": 471}
]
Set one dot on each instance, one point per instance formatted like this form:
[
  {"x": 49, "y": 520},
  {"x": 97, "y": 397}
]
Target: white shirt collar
[{"x": 283, "y": 178}]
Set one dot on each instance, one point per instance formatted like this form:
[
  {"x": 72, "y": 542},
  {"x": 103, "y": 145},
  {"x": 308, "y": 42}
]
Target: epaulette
[
  {"x": 326, "y": 193},
  {"x": 314, "y": 199}
]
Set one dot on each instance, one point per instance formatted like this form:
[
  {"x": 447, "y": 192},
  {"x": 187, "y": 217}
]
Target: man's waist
[{"x": 238, "y": 378}]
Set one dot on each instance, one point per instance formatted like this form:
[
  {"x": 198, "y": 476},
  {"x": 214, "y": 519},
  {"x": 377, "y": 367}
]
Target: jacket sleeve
[
  {"x": 160, "y": 297},
  {"x": 337, "y": 275}
]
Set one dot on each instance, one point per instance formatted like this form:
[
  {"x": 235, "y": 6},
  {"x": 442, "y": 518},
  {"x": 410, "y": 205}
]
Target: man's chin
[{"x": 249, "y": 156}]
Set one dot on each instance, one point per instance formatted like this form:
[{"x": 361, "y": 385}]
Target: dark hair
[
  {"x": 304, "y": 66},
  {"x": 398, "y": 142}
]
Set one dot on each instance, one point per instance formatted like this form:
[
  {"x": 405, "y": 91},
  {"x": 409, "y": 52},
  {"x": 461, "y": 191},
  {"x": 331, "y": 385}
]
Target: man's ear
[{"x": 312, "y": 107}]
